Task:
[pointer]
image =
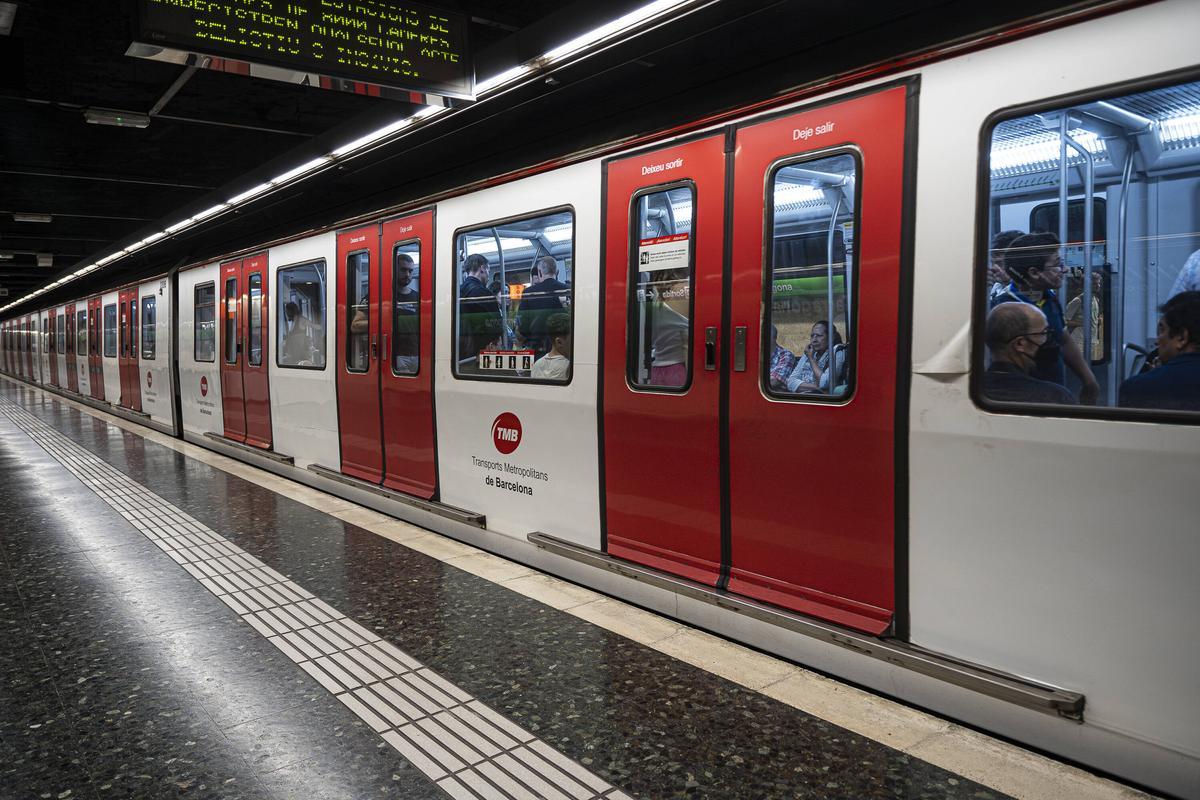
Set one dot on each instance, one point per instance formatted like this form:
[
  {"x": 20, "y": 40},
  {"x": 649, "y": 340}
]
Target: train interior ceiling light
[
  {"x": 645, "y": 15},
  {"x": 1158, "y": 123}
]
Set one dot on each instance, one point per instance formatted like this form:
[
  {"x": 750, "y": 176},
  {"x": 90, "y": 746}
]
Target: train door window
[
  {"x": 60, "y": 324},
  {"x": 81, "y": 333},
  {"x": 406, "y": 309},
  {"x": 301, "y": 315},
  {"x": 110, "y": 330},
  {"x": 1089, "y": 297},
  {"x": 513, "y": 299},
  {"x": 204, "y": 324},
  {"x": 254, "y": 318},
  {"x": 808, "y": 326},
  {"x": 231, "y": 321},
  {"x": 149, "y": 330},
  {"x": 358, "y": 311},
  {"x": 661, "y": 286}
]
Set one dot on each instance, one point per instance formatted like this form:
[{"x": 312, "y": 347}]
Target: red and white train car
[{"x": 587, "y": 369}]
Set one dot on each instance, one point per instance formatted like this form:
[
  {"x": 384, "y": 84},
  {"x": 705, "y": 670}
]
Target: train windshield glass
[
  {"x": 204, "y": 343},
  {"x": 1091, "y": 286},
  {"x": 406, "y": 309},
  {"x": 110, "y": 330},
  {"x": 301, "y": 314},
  {"x": 513, "y": 293},
  {"x": 808, "y": 334},
  {"x": 661, "y": 283}
]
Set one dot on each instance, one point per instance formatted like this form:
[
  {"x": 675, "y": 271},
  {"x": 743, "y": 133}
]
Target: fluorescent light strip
[
  {"x": 1175, "y": 129},
  {"x": 246, "y": 195},
  {"x": 208, "y": 212},
  {"x": 178, "y": 226},
  {"x": 485, "y": 86},
  {"x": 607, "y": 31},
  {"x": 305, "y": 168},
  {"x": 372, "y": 137},
  {"x": 113, "y": 257}
]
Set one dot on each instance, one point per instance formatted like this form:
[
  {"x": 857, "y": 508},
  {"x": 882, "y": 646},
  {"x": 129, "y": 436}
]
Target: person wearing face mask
[
  {"x": 1035, "y": 266},
  {"x": 1175, "y": 384},
  {"x": 1015, "y": 334}
]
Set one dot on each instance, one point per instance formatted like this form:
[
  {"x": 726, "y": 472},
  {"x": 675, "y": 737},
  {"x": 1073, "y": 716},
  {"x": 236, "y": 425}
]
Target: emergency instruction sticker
[
  {"x": 664, "y": 252},
  {"x": 506, "y": 360}
]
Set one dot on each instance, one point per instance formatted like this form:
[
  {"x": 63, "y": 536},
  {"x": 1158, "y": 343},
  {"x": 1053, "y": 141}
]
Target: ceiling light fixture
[
  {"x": 303, "y": 169},
  {"x": 120, "y": 119},
  {"x": 8, "y": 13},
  {"x": 246, "y": 195},
  {"x": 45, "y": 259},
  {"x": 26, "y": 216},
  {"x": 609, "y": 30}
]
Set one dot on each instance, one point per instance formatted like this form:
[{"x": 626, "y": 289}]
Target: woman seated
[{"x": 812, "y": 372}]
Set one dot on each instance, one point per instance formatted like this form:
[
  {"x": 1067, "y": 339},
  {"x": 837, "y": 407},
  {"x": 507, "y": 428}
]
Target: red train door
[
  {"x": 245, "y": 348},
  {"x": 812, "y": 472},
  {"x": 358, "y": 369},
  {"x": 406, "y": 368},
  {"x": 771, "y": 477},
  {"x": 52, "y": 346},
  {"x": 664, "y": 243},
  {"x": 233, "y": 393},
  {"x": 72, "y": 370},
  {"x": 95, "y": 339},
  {"x": 131, "y": 379}
]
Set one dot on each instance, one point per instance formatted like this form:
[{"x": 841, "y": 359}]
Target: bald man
[{"x": 1015, "y": 333}]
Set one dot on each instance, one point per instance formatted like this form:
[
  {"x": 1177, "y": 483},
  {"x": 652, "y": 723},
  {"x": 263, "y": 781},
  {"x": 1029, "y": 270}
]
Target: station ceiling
[{"x": 101, "y": 187}]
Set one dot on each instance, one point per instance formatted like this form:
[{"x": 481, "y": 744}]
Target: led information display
[{"x": 402, "y": 45}]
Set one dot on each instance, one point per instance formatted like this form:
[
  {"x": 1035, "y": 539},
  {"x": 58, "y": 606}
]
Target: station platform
[{"x": 180, "y": 624}]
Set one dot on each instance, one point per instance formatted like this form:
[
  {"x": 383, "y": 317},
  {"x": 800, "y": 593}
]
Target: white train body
[{"x": 1055, "y": 548}]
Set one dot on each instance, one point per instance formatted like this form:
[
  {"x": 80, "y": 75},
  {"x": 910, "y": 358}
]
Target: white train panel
[
  {"x": 111, "y": 347},
  {"x": 304, "y": 421},
  {"x": 199, "y": 370},
  {"x": 1050, "y": 548},
  {"x": 154, "y": 349},
  {"x": 549, "y": 481}
]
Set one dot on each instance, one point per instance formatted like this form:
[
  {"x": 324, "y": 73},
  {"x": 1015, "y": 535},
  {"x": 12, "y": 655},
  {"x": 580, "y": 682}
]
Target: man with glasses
[
  {"x": 1016, "y": 333},
  {"x": 1036, "y": 268}
]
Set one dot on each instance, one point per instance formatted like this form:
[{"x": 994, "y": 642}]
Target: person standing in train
[
  {"x": 1175, "y": 384},
  {"x": 546, "y": 297},
  {"x": 479, "y": 323},
  {"x": 1015, "y": 333},
  {"x": 405, "y": 317},
  {"x": 556, "y": 364},
  {"x": 1036, "y": 268},
  {"x": 997, "y": 276}
]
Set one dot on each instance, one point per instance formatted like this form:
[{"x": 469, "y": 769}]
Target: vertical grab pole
[
  {"x": 832, "y": 367},
  {"x": 1116, "y": 327},
  {"x": 504, "y": 343},
  {"x": 1089, "y": 187},
  {"x": 1063, "y": 178}
]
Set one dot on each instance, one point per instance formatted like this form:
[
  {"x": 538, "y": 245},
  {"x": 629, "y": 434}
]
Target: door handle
[
  {"x": 386, "y": 354},
  {"x": 739, "y": 348},
  {"x": 374, "y": 348},
  {"x": 710, "y": 348}
]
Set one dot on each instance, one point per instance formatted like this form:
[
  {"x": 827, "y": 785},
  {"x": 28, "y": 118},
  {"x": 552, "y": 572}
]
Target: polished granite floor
[{"x": 124, "y": 677}]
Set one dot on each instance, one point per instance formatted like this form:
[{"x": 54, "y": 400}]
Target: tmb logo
[
  {"x": 204, "y": 386},
  {"x": 506, "y": 433}
]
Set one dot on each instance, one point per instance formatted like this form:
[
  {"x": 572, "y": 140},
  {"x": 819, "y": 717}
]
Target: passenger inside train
[
  {"x": 301, "y": 297},
  {"x": 406, "y": 330},
  {"x": 514, "y": 275},
  {"x": 1175, "y": 383},
  {"x": 813, "y": 219},
  {"x": 1128, "y": 165},
  {"x": 556, "y": 363}
]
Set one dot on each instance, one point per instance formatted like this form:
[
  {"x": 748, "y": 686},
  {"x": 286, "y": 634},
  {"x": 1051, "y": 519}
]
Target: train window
[
  {"x": 1090, "y": 283},
  {"x": 406, "y": 309},
  {"x": 358, "y": 311},
  {"x": 149, "y": 330},
  {"x": 254, "y": 319},
  {"x": 513, "y": 299},
  {"x": 808, "y": 332},
  {"x": 81, "y": 333},
  {"x": 231, "y": 321},
  {"x": 660, "y": 284},
  {"x": 301, "y": 315},
  {"x": 61, "y": 333},
  {"x": 204, "y": 327},
  {"x": 110, "y": 330}
]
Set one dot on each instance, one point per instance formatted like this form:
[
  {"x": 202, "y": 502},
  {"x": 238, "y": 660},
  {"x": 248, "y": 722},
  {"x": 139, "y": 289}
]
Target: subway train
[{"x": 735, "y": 374}]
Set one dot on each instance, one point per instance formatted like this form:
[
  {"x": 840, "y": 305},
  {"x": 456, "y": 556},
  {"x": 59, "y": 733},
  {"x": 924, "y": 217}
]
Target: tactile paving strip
[{"x": 468, "y": 749}]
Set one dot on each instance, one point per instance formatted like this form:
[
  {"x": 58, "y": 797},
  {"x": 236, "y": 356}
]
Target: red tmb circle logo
[
  {"x": 506, "y": 433},
  {"x": 149, "y": 378},
  {"x": 204, "y": 386}
]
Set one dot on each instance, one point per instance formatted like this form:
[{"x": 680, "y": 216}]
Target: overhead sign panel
[{"x": 405, "y": 46}]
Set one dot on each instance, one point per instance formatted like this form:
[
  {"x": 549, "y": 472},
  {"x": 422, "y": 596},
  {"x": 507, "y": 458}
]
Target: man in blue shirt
[
  {"x": 1036, "y": 268},
  {"x": 1175, "y": 384}
]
